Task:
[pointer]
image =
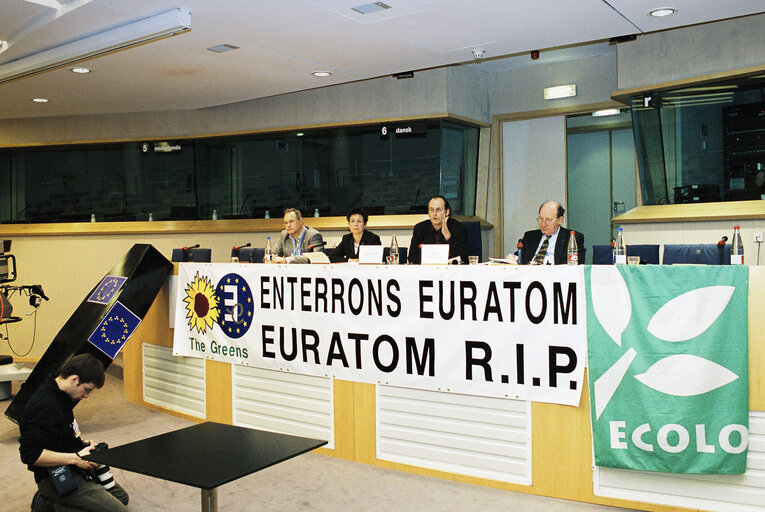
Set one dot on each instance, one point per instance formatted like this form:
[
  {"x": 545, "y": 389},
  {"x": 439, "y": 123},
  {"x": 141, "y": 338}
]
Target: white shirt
[{"x": 550, "y": 256}]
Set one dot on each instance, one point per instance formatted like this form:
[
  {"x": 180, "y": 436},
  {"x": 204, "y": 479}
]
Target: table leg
[{"x": 210, "y": 500}]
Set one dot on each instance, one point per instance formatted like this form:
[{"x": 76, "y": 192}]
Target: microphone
[
  {"x": 37, "y": 290},
  {"x": 722, "y": 241},
  {"x": 187, "y": 250},
  {"x": 235, "y": 251},
  {"x": 314, "y": 246}
]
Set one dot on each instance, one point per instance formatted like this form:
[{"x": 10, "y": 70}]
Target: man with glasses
[
  {"x": 440, "y": 228},
  {"x": 548, "y": 245},
  {"x": 296, "y": 239},
  {"x": 50, "y": 438}
]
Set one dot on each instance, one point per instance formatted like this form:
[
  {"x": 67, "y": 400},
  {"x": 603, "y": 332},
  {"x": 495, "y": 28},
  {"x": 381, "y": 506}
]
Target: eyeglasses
[{"x": 542, "y": 220}]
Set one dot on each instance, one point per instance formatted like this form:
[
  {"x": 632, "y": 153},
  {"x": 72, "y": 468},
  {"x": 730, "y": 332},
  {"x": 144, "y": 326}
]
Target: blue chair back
[
  {"x": 649, "y": 253},
  {"x": 199, "y": 255},
  {"x": 703, "y": 254},
  {"x": 602, "y": 255},
  {"x": 250, "y": 254},
  {"x": 474, "y": 244}
]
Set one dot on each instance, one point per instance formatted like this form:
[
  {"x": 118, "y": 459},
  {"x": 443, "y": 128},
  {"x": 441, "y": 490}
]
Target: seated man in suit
[
  {"x": 296, "y": 239},
  {"x": 440, "y": 228},
  {"x": 548, "y": 245}
]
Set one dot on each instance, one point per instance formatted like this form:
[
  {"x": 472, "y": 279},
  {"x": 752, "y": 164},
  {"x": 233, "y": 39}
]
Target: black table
[{"x": 206, "y": 455}]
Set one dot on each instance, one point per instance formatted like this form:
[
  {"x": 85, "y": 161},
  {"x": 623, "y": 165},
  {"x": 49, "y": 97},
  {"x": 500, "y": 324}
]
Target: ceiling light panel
[
  {"x": 223, "y": 48},
  {"x": 370, "y": 8}
]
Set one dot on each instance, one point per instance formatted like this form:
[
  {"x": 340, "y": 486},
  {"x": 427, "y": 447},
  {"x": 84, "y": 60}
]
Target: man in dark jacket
[
  {"x": 440, "y": 228},
  {"x": 50, "y": 438},
  {"x": 549, "y": 243}
]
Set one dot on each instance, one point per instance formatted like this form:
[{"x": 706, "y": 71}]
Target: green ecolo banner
[{"x": 668, "y": 367}]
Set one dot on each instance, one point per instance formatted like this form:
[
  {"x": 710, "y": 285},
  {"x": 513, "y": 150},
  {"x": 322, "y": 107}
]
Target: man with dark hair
[
  {"x": 296, "y": 239},
  {"x": 440, "y": 228},
  {"x": 50, "y": 438},
  {"x": 549, "y": 244}
]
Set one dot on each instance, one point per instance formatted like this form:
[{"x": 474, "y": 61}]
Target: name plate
[
  {"x": 434, "y": 254},
  {"x": 370, "y": 254}
]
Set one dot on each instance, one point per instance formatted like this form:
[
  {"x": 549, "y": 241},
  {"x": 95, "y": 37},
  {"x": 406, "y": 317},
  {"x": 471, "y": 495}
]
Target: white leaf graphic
[
  {"x": 686, "y": 375},
  {"x": 606, "y": 385},
  {"x": 610, "y": 300},
  {"x": 688, "y": 315}
]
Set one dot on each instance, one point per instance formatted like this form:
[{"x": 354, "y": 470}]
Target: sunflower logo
[{"x": 202, "y": 304}]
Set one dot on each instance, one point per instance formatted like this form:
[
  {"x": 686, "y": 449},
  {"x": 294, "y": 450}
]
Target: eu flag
[
  {"x": 106, "y": 290},
  {"x": 114, "y": 330}
]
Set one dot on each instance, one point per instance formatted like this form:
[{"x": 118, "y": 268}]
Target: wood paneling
[
  {"x": 730, "y": 210},
  {"x": 213, "y": 226}
]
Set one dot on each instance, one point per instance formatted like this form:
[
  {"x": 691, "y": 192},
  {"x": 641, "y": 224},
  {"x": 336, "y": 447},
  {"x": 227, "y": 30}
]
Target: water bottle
[
  {"x": 620, "y": 251},
  {"x": 393, "y": 257},
  {"x": 573, "y": 250},
  {"x": 736, "y": 248},
  {"x": 269, "y": 256},
  {"x": 215, "y": 215}
]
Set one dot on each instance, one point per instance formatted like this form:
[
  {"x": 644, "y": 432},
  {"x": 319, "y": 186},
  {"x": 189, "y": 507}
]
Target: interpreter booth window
[
  {"x": 107, "y": 182},
  {"x": 390, "y": 169},
  {"x": 702, "y": 143}
]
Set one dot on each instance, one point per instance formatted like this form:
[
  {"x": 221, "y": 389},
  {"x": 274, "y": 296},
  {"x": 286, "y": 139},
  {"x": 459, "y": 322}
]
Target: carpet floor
[{"x": 311, "y": 482}]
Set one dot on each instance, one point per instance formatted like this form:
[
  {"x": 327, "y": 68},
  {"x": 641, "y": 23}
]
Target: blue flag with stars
[
  {"x": 114, "y": 330},
  {"x": 106, "y": 290}
]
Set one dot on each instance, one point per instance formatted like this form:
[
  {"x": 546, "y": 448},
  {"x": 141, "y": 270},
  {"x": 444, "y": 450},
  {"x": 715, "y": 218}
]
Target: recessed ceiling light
[
  {"x": 662, "y": 11},
  {"x": 370, "y": 8},
  {"x": 80, "y": 71},
  {"x": 321, "y": 73},
  {"x": 40, "y": 100},
  {"x": 222, "y": 48}
]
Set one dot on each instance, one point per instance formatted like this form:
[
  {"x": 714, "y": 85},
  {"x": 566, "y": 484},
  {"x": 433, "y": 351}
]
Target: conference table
[{"x": 206, "y": 455}]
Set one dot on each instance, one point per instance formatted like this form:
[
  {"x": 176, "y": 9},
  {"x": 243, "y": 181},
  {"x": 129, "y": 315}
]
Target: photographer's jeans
[{"x": 90, "y": 496}]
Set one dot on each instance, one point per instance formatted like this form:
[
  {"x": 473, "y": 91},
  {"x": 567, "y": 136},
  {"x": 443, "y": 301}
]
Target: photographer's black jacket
[{"x": 47, "y": 423}]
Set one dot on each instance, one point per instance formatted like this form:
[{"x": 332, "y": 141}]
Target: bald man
[{"x": 550, "y": 218}]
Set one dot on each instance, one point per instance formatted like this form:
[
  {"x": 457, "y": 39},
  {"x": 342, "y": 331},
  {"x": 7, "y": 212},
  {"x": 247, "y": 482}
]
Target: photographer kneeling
[{"x": 51, "y": 446}]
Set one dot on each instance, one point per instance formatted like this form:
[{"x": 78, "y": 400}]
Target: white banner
[{"x": 500, "y": 331}]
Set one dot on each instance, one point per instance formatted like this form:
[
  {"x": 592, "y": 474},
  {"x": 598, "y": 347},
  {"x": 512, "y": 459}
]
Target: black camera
[{"x": 102, "y": 472}]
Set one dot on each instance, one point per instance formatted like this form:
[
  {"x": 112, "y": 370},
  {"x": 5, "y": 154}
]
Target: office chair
[
  {"x": 702, "y": 254},
  {"x": 648, "y": 253},
  {"x": 474, "y": 245},
  {"x": 192, "y": 254},
  {"x": 602, "y": 255}
]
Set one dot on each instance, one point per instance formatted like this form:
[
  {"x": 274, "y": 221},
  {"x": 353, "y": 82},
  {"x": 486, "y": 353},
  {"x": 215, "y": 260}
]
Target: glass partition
[
  {"x": 325, "y": 171},
  {"x": 702, "y": 143}
]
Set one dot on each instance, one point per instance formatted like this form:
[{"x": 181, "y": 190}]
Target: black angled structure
[{"x": 133, "y": 282}]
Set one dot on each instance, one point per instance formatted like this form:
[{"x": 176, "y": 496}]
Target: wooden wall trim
[
  {"x": 214, "y": 226},
  {"x": 729, "y": 210}
]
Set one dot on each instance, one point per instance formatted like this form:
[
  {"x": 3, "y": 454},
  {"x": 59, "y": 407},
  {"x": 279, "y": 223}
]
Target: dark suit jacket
[
  {"x": 532, "y": 238},
  {"x": 423, "y": 233},
  {"x": 346, "y": 248}
]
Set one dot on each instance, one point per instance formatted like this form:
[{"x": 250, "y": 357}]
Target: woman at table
[{"x": 348, "y": 249}]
